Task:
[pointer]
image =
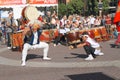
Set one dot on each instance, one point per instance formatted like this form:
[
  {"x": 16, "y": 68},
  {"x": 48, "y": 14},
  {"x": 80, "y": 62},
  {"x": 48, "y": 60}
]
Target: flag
[{"x": 117, "y": 14}]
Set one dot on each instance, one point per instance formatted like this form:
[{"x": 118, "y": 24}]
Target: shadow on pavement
[
  {"x": 114, "y": 46},
  {"x": 76, "y": 55},
  {"x": 33, "y": 56},
  {"x": 90, "y": 76}
]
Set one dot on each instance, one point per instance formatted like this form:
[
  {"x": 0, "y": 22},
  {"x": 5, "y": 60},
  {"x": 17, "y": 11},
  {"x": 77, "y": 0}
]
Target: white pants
[{"x": 27, "y": 46}]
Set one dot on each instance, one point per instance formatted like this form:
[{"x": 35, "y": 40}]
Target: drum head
[{"x": 31, "y": 13}]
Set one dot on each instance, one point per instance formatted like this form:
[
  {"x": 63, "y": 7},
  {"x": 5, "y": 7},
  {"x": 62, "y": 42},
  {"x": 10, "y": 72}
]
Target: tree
[
  {"x": 85, "y": 7},
  {"x": 62, "y": 9},
  {"x": 92, "y": 7},
  {"x": 77, "y": 5},
  {"x": 106, "y": 6},
  {"x": 73, "y": 7},
  {"x": 70, "y": 9}
]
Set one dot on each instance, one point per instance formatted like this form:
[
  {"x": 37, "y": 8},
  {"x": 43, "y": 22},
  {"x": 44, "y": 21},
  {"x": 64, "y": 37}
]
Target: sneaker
[
  {"x": 90, "y": 57},
  {"x": 100, "y": 54},
  {"x": 9, "y": 47},
  {"x": 23, "y": 64},
  {"x": 55, "y": 45},
  {"x": 14, "y": 47},
  {"x": 46, "y": 58}
]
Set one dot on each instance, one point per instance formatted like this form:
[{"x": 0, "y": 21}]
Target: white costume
[
  {"x": 33, "y": 45},
  {"x": 95, "y": 45}
]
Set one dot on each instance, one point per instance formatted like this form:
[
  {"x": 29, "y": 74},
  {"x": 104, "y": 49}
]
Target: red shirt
[
  {"x": 40, "y": 18},
  {"x": 108, "y": 20}
]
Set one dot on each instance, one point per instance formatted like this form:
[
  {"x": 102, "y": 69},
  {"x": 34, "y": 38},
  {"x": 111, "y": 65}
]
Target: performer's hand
[{"x": 71, "y": 47}]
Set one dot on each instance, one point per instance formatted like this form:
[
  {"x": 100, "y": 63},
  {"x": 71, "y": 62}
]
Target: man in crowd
[{"x": 10, "y": 24}]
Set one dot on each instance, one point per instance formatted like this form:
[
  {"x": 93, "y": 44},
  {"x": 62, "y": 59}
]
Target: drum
[
  {"x": 29, "y": 13},
  {"x": 73, "y": 37},
  {"x": 17, "y": 40},
  {"x": 56, "y": 33},
  {"x": 88, "y": 31},
  {"x": 104, "y": 33},
  {"x": 96, "y": 32},
  {"x": 52, "y": 33},
  {"x": 91, "y": 33},
  {"x": 81, "y": 31}
]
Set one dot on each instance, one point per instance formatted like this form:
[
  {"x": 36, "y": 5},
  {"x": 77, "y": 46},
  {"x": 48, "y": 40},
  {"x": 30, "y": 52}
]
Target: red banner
[
  {"x": 12, "y": 2},
  {"x": 43, "y": 1},
  {"x": 117, "y": 14}
]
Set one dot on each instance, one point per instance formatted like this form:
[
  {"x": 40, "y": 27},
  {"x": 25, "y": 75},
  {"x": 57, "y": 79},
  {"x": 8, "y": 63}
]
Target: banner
[
  {"x": 117, "y": 14},
  {"x": 12, "y": 2},
  {"x": 43, "y": 1}
]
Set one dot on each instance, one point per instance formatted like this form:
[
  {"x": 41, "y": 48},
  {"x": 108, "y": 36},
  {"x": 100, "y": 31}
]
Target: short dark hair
[{"x": 85, "y": 33}]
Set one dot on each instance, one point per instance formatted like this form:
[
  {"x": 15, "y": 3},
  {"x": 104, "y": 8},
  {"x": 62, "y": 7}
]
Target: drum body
[
  {"x": 29, "y": 13},
  {"x": 96, "y": 32},
  {"x": 91, "y": 33},
  {"x": 104, "y": 33},
  {"x": 17, "y": 39},
  {"x": 73, "y": 37},
  {"x": 52, "y": 34}
]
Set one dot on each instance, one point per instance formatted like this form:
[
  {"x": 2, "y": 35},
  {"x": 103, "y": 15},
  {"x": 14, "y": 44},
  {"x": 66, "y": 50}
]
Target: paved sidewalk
[
  {"x": 65, "y": 64},
  {"x": 62, "y": 57}
]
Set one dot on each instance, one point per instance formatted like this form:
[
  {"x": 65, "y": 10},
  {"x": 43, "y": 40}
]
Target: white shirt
[
  {"x": 62, "y": 31},
  {"x": 67, "y": 29},
  {"x": 35, "y": 38},
  {"x": 93, "y": 43},
  {"x": 92, "y": 20}
]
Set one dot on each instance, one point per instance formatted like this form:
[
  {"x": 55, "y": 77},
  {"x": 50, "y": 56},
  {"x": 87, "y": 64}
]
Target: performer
[
  {"x": 91, "y": 47},
  {"x": 31, "y": 41},
  {"x": 117, "y": 23}
]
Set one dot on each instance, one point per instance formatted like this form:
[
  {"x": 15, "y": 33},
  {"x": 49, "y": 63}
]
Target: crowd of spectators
[{"x": 65, "y": 24}]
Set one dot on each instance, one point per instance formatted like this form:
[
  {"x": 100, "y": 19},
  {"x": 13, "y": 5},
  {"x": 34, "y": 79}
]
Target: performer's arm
[
  {"x": 81, "y": 45},
  {"x": 77, "y": 46}
]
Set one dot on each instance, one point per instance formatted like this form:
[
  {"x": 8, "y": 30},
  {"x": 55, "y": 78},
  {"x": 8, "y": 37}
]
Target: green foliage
[
  {"x": 74, "y": 7},
  {"x": 62, "y": 9},
  {"x": 93, "y": 7},
  {"x": 86, "y": 7},
  {"x": 106, "y": 5},
  {"x": 77, "y": 6},
  {"x": 70, "y": 9}
]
